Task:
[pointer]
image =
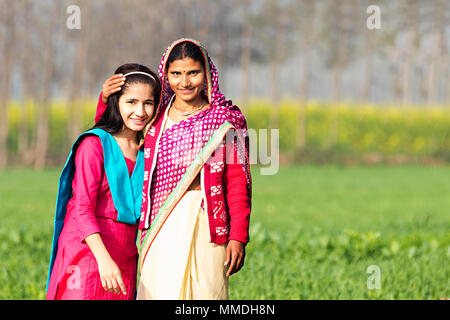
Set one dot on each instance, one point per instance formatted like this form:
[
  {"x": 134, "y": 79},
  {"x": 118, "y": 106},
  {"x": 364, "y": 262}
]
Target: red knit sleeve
[
  {"x": 238, "y": 198},
  {"x": 101, "y": 107}
]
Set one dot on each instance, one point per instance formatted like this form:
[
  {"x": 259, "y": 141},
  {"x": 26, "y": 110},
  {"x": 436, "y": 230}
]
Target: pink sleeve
[
  {"x": 86, "y": 183},
  {"x": 238, "y": 198},
  {"x": 101, "y": 107}
]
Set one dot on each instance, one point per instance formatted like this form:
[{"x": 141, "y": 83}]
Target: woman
[
  {"x": 196, "y": 204},
  {"x": 94, "y": 254}
]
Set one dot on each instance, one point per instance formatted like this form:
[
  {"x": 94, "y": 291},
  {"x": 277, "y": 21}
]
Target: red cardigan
[{"x": 237, "y": 197}]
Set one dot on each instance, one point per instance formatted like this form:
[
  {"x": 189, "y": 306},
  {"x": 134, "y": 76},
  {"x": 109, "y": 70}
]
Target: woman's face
[
  {"x": 186, "y": 78},
  {"x": 136, "y": 105}
]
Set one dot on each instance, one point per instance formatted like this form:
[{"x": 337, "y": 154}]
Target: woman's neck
[{"x": 186, "y": 106}]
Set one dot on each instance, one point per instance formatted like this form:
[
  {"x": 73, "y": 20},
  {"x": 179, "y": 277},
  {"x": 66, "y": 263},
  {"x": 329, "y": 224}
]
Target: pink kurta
[{"x": 91, "y": 210}]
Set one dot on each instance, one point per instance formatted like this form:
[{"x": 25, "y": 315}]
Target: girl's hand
[
  {"x": 112, "y": 85},
  {"x": 111, "y": 276},
  {"x": 235, "y": 253}
]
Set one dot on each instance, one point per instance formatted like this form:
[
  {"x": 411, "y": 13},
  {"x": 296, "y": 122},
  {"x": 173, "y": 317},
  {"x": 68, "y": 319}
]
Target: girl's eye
[{"x": 131, "y": 102}]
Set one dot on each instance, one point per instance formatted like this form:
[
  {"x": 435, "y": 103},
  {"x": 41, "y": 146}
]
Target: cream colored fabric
[
  {"x": 182, "y": 263},
  {"x": 168, "y": 124}
]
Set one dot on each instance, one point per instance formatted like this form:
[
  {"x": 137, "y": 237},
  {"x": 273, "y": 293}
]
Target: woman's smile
[
  {"x": 186, "y": 91},
  {"x": 186, "y": 78}
]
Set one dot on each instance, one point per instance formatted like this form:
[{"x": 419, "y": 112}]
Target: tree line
[{"x": 43, "y": 59}]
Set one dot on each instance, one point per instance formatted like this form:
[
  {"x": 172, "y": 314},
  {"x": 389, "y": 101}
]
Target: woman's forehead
[{"x": 186, "y": 64}]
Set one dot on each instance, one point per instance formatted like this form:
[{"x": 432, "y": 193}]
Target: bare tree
[
  {"x": 8, "y": 12},
  {"x": 208, "y": 12},
  {"x": 42, "y": 136},
  {"x": 271, "y": 28},
  {"x": 277, "y": 63},
  {"x": 410, "y": 24},
  {"x": 27, "y": 72},
  {"x": 76, "y": 94},
  {"x": 246, "y": 49},
  {"x": 224, "y": 40},
  {"x": 304, "y": 13},
  {"x": 339, "y": 35},
  {"x": 438, "y": 49},
  {"x": 370, "y": 41}
]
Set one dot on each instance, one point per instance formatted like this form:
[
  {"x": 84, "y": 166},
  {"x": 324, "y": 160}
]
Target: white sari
[{"x": 181, "y": 262}]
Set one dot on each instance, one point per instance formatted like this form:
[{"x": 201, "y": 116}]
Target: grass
[{"x": 314, "y": 233}]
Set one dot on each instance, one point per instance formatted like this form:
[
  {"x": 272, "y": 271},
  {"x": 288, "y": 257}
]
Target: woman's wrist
[{"x": 104, "y": 100}]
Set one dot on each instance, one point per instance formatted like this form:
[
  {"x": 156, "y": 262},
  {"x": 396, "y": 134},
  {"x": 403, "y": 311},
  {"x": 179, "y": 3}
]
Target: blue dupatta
[{"x": 126, "y": 192}]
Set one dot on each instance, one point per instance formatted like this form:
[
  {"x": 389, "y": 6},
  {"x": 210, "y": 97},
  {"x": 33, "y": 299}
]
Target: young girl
[
  {"x": 94, "y": 254},
  {"x": 196, "y": 203}
]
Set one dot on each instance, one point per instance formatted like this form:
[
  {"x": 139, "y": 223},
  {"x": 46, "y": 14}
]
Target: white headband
[{"x": 140, "y": 72}]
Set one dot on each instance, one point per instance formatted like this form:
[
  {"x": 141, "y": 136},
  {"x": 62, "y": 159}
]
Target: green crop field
[{"x": 316, "y": 233}]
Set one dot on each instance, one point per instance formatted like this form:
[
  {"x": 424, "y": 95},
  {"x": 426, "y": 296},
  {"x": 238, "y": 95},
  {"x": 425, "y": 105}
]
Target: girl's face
[
  {"x": 186, "y": 78},
  {"x": 136, "y": 106}
]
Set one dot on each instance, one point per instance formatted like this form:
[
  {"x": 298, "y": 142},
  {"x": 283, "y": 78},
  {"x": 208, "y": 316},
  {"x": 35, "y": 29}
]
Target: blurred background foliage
[
  {"x": 367, "y": 134},
  {"x": 335, "y": 88}
]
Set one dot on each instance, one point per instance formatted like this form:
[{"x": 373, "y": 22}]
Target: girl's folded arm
[{"x": 86, "y": 183}]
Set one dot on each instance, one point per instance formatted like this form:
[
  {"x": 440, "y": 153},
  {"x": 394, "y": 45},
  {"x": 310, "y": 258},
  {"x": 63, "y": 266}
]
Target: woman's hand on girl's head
[
  {"x": 235, "y": 256},
  {"x": 112, "y": 85}
]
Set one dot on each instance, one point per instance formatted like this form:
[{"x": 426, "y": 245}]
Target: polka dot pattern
[{"x": 179, "y": 145}]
